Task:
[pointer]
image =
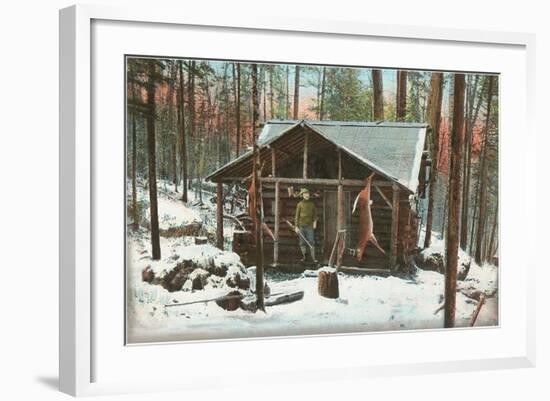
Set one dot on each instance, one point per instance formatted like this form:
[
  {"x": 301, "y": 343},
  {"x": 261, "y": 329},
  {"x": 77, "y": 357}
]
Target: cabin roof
[{"x": 392, "y": 149}]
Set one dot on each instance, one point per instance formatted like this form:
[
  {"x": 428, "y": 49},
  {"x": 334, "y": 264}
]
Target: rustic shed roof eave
[{"x": 213, "y": 176}]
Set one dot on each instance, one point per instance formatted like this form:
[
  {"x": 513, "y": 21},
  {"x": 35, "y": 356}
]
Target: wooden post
[
  {"x": 219, "y": 215},
  {"x": 277, "y": 218},
  {"x": 340, "y": 213},
  {"x": 273, "y": 173},
  {"x": 394, "y": 226},
  {"x": 339, "y": 164},
  {"x": 340, "y": 208},
  {"x": 305, "y": 154}
]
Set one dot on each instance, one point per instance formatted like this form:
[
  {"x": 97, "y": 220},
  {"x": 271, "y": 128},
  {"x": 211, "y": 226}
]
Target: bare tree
[
  {"x": 434, "y": 119},
  {"x": 238, "y": 107},
  {"x": 401, "y": 98},
  {"x": 271, "y": 109},
  {"x": 322, "y": 95},
  {"x": 296, "y": 92},
  {"x": 467, "y": 170},
  {"x": 183, "y": 139},
  {"x": 173, "y": 134},
  {"x": 287, "y": 108},
  {"x": 378, "y": 94},
  {"x": 151, "y": 151},
  {"x": 258, "y": 194},
  {"x": 484, "y": 177},
  {"x": 191, "y": 101}
]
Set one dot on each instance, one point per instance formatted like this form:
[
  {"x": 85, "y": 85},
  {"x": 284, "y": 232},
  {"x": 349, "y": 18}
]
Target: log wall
[{"x": 288, "y": 249}]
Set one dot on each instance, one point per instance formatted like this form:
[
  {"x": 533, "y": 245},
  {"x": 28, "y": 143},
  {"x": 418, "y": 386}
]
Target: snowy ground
[{"x": 366, "y": 303}]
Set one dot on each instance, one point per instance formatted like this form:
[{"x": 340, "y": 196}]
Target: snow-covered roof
[{"x": 392, "y": 149}]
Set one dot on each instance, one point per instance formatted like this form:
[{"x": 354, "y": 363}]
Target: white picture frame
[{"x": 88, "y": 366}]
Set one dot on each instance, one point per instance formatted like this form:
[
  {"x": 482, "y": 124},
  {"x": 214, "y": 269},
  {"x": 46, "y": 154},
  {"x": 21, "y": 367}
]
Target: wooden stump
[{"x": 327, "y": 283}]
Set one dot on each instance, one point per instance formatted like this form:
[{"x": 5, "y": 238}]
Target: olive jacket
[{"x": 306, "y": 213}]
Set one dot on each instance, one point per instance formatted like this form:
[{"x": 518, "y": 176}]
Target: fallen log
[
  {"x": 284, "y": 298},
  {"x": 477, "y": 309},
  {"x": 231, "y": 295},
  {"x": 365, "y": 271}
]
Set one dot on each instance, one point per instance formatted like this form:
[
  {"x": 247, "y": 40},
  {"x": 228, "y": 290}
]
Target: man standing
[{"x": 305, "y": 222}]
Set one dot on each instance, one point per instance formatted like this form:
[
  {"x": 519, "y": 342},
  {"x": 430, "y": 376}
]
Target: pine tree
[
  {"x": 258, "y": 198},
  {"x": 401, "y": 97},
  {"x": 484, "y": 176},
  {"x": 451, "y": 248},
  {"x": 296, "y": 92},
  {"x": 378, "y": 94},
  {"x": 151, "y": 150},
  {"x": 434, "y": 118}
]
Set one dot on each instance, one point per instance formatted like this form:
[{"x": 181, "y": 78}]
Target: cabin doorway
[{"x": 330, "y": 220}]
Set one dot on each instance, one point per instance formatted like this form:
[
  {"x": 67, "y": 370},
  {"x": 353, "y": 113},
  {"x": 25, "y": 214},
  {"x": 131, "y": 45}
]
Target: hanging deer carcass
[{"x": 363, "y": 204}]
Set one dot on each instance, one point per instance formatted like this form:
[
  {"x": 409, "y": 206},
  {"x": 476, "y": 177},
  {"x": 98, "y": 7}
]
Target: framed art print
[{"x": 248, "y": 191}]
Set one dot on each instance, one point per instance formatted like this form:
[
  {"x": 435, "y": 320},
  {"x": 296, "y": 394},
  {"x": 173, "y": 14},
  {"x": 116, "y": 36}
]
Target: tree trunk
[
  {"x": 296, "y": 93},
  {"x": 470, "y": 124},
  {"x": 451, "y": 106},
  {"x": 238, "y": 109},
  {"x": 271, "y": 110},
  {"x": 135, "y": 223},
  {"x": 454, "y": 202},
  {"x": 322, "y": 100},
  {"x": 473, "y": 225},
  {"x": 434, "y": 119},
  {"x": 287, "y": 108},
  {"x": 319, "y": 78},
  {"x": 155, "y": 238},
  {"x": 183, "y": 145},
  {"x": 491, "y": 250},
  {"x": 401, "y": 102},
  {"x": 378, "y": 95},
  {"x": 484, "y": 179},
  {"x": 191, "y": 101},
  {"x": 171, "y": 131},
  {"x": 264, "y": 88},
  {"x": 258, "y": 192}
]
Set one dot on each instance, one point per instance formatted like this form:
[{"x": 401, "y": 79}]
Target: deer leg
[{"x": 375, "y": 243}]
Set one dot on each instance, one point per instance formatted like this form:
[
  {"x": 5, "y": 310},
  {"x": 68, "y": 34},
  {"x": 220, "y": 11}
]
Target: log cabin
[{"x": 331, "y": 159}]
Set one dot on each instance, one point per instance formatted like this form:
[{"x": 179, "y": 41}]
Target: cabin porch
[{"x": 334, "y": 203}]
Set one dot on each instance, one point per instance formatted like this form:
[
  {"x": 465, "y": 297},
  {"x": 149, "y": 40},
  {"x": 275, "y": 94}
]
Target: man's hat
[{"x": 304, "y": 191}]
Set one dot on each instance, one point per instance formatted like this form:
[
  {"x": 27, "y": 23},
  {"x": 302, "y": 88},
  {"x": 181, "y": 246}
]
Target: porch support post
[
  {"x": 305, "y": 154},
  {"x": 340, "y": 223},
  {"x": 339, "y": 164},
  {"x": 273, "y": 160},
  {"x": 277, "y": 217},
  {"x": 219, "y": 215},
  {"x": 394, "y": 226}
]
